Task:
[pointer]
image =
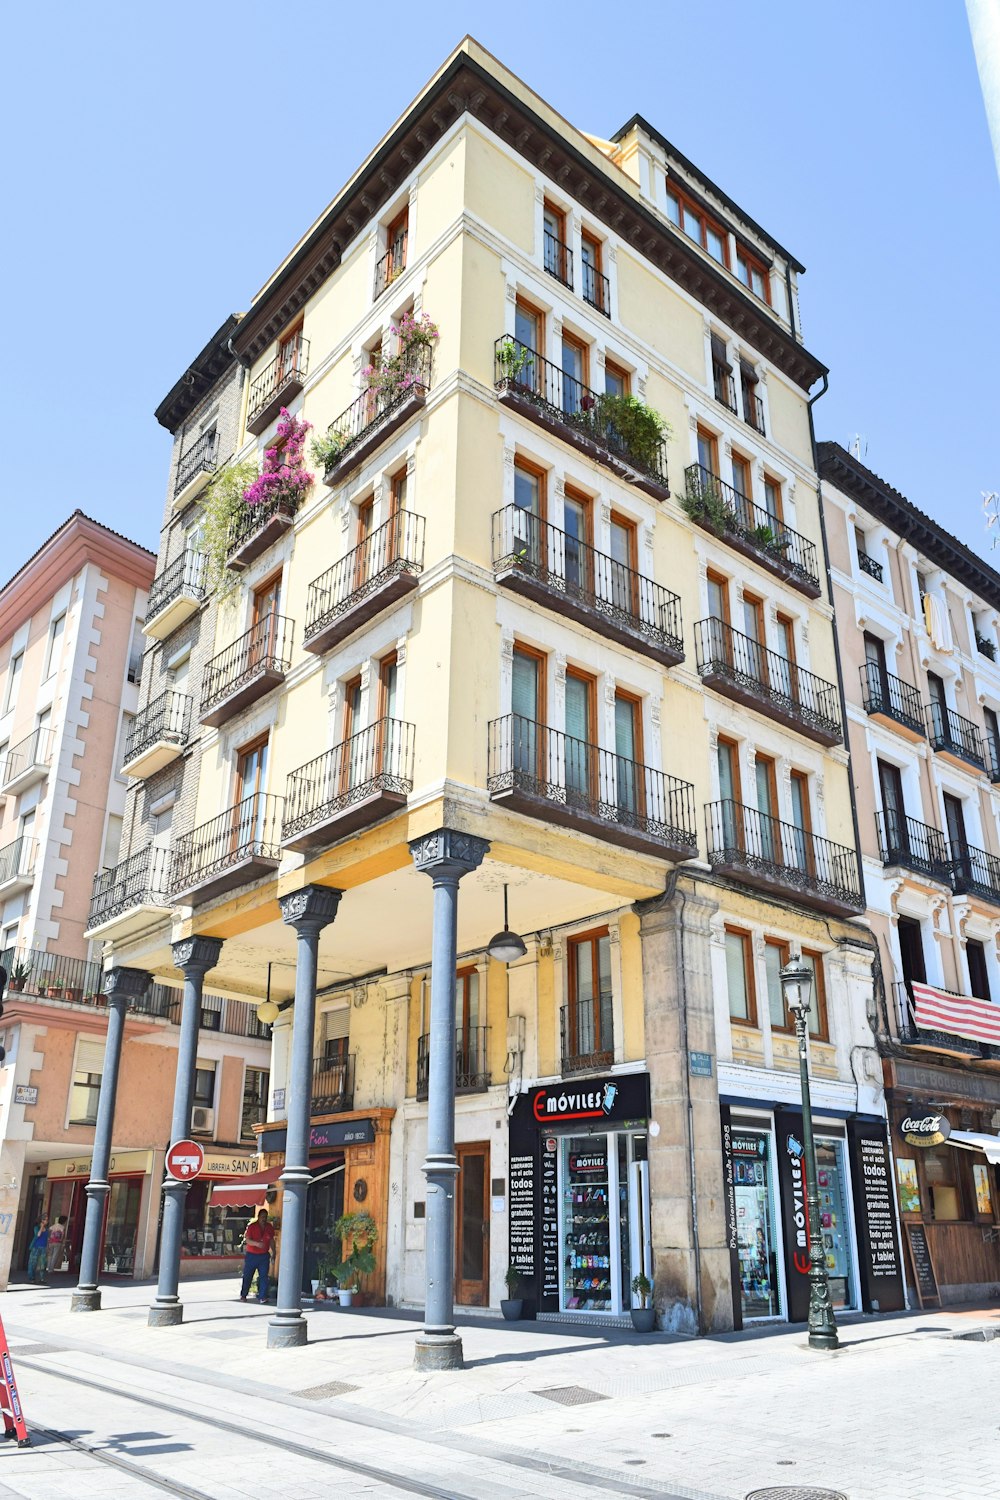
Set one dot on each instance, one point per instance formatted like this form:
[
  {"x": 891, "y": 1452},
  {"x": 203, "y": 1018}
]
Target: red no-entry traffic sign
[{"x": 185, "y": 1160}]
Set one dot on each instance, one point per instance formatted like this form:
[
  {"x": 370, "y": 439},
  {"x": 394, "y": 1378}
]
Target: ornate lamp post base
[
  {"x": 88, "y": 1300},
  {"x": 165, "y": 1314},
  {"x": 438, "y": 1351},
  {"x": 292, "y": 1334}
]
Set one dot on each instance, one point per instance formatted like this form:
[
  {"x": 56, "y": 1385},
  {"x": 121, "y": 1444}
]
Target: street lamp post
[{"x": 796, "y": 986}]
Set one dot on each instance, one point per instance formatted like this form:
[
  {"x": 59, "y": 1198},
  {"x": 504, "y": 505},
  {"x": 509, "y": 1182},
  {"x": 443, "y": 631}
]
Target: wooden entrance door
[{"x": 472, "y": 1226}]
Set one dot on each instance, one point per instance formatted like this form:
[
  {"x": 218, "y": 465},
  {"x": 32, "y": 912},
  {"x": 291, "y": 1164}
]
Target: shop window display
[
  {"x": 587, "y": 1224},
  {"x": 834, "y": 1219},
  {"x": 212, "y": 1230},
  {"x": 755, "y": 1225}
]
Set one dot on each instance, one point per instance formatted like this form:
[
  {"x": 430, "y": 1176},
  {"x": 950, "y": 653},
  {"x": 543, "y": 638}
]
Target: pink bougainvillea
[{"x": 283, "y": 476}]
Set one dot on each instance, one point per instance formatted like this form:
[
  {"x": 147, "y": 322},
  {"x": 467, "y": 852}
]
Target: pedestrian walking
[
  {"x": 258, "y": 1252},
  {"x": 38, "y": 1252},
  {"x": 57, "y": 1236}
]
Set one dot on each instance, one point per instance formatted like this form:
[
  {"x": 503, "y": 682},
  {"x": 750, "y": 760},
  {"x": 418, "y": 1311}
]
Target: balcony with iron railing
[
  {"x": 37, "y": 974},
  {"x": 390, "y": 266},
  {"x": 596, "y": 289},
  {"x": 279, "y": 383},
  {"x": 17, "y": 866},
  {"x": 472, "y": 1069},
  {"x": 195, "y": 468},
  {"x": 333, "y": 1084},
  {"x": 992, "y": 747},
  {"x": 240, "y": 845},
  {"x": 974, "y": 872},
  {"x": 558, "y": 259},
  {"x": 177, "y": 593},
  {"x": 223, "y": 1014},
  {"x": 546, "y": 774},
  {"x": 376, "y": 574},
  {"x": 358, "y": 782},
  {"x": 724, "y": 386},
  {"x": 742, "y": 669},
  {"x": 928, "y": 1039},
  {"x": 759, "y": 850},
  {"x": 158, "y": 735},
  {"x": 378, "y": 412},
  {"x": 906, "y": 844},
  {"x": 27, "y": 762},
  {"x": 870, "y": 565},
  {"x": 748, "y": 528},
  {"x": 605, "y": 427},
  {"x": 558, "y": 570},
  {"x": 586, "y": 1033},
  {"x": 243, "y": 672},
  {"x": 257, "y": 527},
  {"x": 957, "y": 739},
  {"x": 753, "y": 408},
  {"x": 130, "y": 894},
  {"x": 890, "y": 699}
]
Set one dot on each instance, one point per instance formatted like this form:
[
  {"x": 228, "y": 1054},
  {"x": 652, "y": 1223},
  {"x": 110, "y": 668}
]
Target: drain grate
[
  {"x": 796, "y": 1492},
  {"x": 36, "y": 1349},
  {"x": 321, "y": 1392},
  {"x": 570, "y": 1395}
]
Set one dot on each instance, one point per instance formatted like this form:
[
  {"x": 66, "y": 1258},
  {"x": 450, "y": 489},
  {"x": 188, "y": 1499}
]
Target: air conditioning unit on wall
[{"x": 202, "y": 1121}]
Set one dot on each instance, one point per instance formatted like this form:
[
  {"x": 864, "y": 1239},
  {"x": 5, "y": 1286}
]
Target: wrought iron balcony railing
[
  {"x": 282, "y": 379},
  {"x": 356, "y": 782},
  {"x": 201, "y": 458},
  {"x": 390, "y": 266},
  {"x": 34, "y": 972},
  {"x": 551, "y": 775},
  {"x": 185, "y": 575},
  {"x": 257, "y": 660},
  {"x": 723, "y": 385},
  {"x": 571, "y": 576},
  {"x": 915, "y": 846},
  {"x": 377, "y": 412},
  {"x": 912, "y": 1035},
  {"x": 882, "y": 693},
  {"x": 950, "y": 733},
  {"x": 472, "y": 1070},
  {"x": 27, "y": 761},
  {"x": 377, "y": 572},
  {"x": 142, "y": 880},
  {"x": 591, "y": 420},
  {"x": 230, "y": 849},
  {"x": 166, "y": 719},
  {"x": 596, "y": 289},
  {"x": 587, "y": 1034},
  {"x": 17, "y": 861},
  {"x": 742, "y": 667},
  {"x": 258, "y": 527},
  {"x": 869, "y": 565},
  {"x": 974, "y": 872},
  {"x": 992, "y": 746},
  {"x": 721, "y": 508},
  {"x": 333, "y": 1084},
  {"x": 558, "y": 259},
  {"x": 753, "y": 409},
  {"x": 781, "y": 856}
]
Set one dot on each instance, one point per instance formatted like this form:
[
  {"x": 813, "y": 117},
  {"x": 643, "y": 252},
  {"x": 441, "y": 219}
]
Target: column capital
[
  {"x": 313, "y": 906},
  {"x": 125, "y": 984},
  {"x": 196, "y": 953},
  {"x": 448, "y": 853}
]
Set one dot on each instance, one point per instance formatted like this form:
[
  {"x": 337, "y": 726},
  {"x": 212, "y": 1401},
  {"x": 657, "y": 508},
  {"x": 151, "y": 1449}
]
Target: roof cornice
[
  {"x": 199, "y": 377},
  {"x": 840, "y": 468},
  {"x": 78, "y": 541},
  {"x": 467, "y": 87}
]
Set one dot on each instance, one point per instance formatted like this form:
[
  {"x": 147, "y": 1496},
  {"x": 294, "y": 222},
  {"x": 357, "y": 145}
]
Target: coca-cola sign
[{"x": 925, "y": 1130}]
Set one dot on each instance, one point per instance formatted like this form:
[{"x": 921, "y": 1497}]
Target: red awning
[{"x": 251, "y": 1188}]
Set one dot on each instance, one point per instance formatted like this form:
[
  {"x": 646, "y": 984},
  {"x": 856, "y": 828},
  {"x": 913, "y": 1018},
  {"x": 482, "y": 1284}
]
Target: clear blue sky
[{"x": 170, "y": 154}]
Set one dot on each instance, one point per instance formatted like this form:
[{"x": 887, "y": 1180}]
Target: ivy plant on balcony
[
  {"x": 632, "y": 427},
  {"x": 707, "y": 504}
]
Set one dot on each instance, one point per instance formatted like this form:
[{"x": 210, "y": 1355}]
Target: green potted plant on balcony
[
  {"x": 360, "y": 1231},
  {"x": 326, "y": 447},
  {"x": 54, "y": 989},
  {"x": 222, "y": 504},
  {"x": 512, "y": 358},
  {"x": 512, "y": 1305},
  {"x": 704, "y": 503},
  {"x": 643, "y": 1317},
  {"x": 631, "y": 428},
  {"x": 19, "y": 976}
]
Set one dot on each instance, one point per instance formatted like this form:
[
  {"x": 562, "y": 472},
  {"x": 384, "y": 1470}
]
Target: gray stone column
[
  {"x": 308, "y": 911},
  {"x": 194, "y": 957},
  {"x": 691, "y": 1280},
  {"x": 445, "y": 856},
  {"x": 120, "y": 986}
]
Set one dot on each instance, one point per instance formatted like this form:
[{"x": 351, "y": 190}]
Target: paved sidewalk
[{"x": 887, "y": 1418}]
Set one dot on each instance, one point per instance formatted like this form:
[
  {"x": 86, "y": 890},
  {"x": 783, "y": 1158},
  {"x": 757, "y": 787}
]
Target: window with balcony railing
[{"x": 731, "y": 514}]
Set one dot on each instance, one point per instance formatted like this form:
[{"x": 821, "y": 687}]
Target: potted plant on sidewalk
[
  {"x": 643, "y": 1317},
  {"x": 360, "y": 1231},
  {"x": 512, "y": 1305}
]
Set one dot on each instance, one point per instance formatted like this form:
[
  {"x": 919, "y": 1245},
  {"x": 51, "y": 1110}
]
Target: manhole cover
[
  {"x": 796, "y": 1492},
  {"x": 321, "y": 1392},
  {"x": 570, "y": 1395}
]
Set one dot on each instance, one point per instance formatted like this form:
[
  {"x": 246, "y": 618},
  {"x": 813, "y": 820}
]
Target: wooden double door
[{"x": 472, "y": 1225}]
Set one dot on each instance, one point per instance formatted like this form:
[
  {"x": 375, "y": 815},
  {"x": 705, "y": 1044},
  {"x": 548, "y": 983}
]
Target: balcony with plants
[
  {"x": 721, "y": 509},
  {"x": 472, "y": 1069},
  {"x": 38, "y": 974},
  {"x": 177, "y": 593},
  {"x": 546, "y": 774},
  {"x": 27, "y": 762},
  {"x": 553, "y": 568},
  {"x": 240, "y": 845},
  {"x": 906, "y": 844},
  {"x": 279, "y": 383},
  {"x": 246, "y": 511},
  {"x": 957, "y": 739},
  {"x": 390, "y": 266},
  {"x": 363, "y": 779},
  {"x": 195, "y": 468},
  {"x": 761, "y": 851},
  {"x": 159, "y": 734},
  {"x": 376, "y": 574},
  {"x": 243, "y": 672},
  {"x": 741, "y": 668},
  {"x": 620, "y": 432},
  {"x": 394, "y": 391},
  {"x": 891, "y": 700},
  {"x": 130, "y": 894},
  {"x": 17, "y": 866}
]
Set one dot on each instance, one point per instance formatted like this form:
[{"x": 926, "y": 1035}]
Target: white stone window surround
[
  {"x": 559, "y": 313},
  {"x": 560, "y": 966},
  {"x": 878, "y": 545},
  {"x": 882, "y": 745},
  {"x": 386, "y": 636},
  {"x": 731, "y": 723},
  {"x": 972, "y": 925},
  {"x": 926, "y": 910},
  {"x": 729, "y": 436},
  {"x": 736, "y": 354}
]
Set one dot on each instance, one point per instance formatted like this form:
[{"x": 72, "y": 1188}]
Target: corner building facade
[{"x": 557, "y": 585}]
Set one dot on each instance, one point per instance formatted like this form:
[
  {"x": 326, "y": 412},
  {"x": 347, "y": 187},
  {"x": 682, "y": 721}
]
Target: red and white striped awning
[{"x": 962, "y": 1015}]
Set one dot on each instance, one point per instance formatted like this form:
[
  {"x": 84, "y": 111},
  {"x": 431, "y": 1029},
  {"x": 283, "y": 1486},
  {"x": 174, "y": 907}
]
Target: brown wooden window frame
[
  {"x": 752, "y": 1017},
  {"x": 592, "y": 938},
  {"x": 706, "y": 220},
  {"x": 753, "y": 263}
]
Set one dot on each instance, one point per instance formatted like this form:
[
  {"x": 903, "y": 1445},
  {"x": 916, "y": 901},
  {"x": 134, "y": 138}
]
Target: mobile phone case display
[
  {"x": 830, "y": 1180},
  {"x": 755, "y": 1226},
  {"x": 587, "y": 1225}
]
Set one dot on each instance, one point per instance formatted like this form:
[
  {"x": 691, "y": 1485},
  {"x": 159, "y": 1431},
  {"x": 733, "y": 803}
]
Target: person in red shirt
[{"x": 258, "y": 1252}]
